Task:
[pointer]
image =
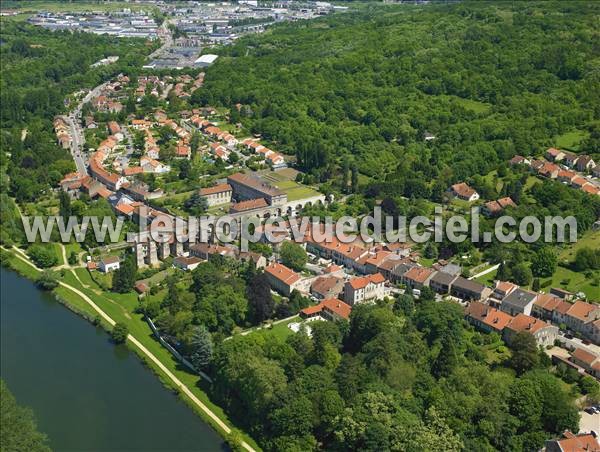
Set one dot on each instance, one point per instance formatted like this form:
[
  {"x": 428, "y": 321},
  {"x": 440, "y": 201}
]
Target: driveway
[{"x": 589, "y": 422}]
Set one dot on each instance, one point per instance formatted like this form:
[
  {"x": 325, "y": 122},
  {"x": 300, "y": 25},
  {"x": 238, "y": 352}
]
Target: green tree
[
  {"x": 202, "y": 348},
  {"x": 43, "y": 256},
  {"x": 18, "y": 429},
  {"x": 521, "y": 274},
  {"x": 47, "y": 280},
  {"x": 119, "y": 333},
  {"x": 525, "y": 353},
  {"x": 544, "y": 262},
  {"x": 123, "y": 278},
  {"x": 293, "y": 256},
  {"x": 260, "y": 300}
]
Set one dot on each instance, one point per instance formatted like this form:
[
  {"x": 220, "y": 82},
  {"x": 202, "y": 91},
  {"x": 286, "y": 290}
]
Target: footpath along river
[{"x": 86, "y": 393}]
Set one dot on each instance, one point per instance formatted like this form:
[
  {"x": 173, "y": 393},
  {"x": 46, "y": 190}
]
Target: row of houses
[
  {"x": 489, "y": 319},
  {"x": 556, "y": 307},
  {"x": 565, "y": 171}
]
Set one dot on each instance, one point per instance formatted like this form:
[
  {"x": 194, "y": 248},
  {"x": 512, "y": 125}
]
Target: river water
[{"x": 86, "y": 393}]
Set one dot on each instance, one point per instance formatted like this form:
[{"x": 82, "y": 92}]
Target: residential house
[
  {"x": 570, "y": 159},
  {"x": 549, "y": 170},
  {"x": 417, "y": 277},
  {"x": 398, "y": 271},
  {"x": 544, "y": 306},
  {"x": 218, "y": 194},
  {"x": 282, "y": 279},
  {"x": 554, "y": 155},
  {"x": 519, "y": 160},
  {"x": 544, "y": 333},
  {"x": 330, "y": 309},
  {"x": 183, "y": 151},
  {"x": 259, "y": 260},
  {"x": 562, "y": 293},
  {"x": 581, "y": 313},
  {"x": 500, "y": 291},
  {"x": 487, "y": 318},
  {"x": 464, "y": 192},
  {"x": 566, "y": 176},
  {"x": 206, "y": 250},
  {"x": 109, "y": 264},
  {"x": 587, "y": 360},
  {"x": 519, "y": 301},
  {"x": 186, "y": 263},
  {"x": 325, "y": 287},
  {"x": 579, "y": 182},
  {"x": 441, "y": 282},
  {"x": 250, "y": 204},
  {"x": 585, "y": 163},
  {"x": 570, "y": 442},
  {"x": 493, "y": 208},
  {"x": 466, "y": 289},
  {"x": 364, "y": 288},
  {"x": 560, "y": 312}
]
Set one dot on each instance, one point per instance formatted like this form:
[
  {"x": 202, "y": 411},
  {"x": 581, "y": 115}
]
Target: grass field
[
  {"x": 574, "y": 282},
  {"x": 590, "y": 239},
  {"x": 473, "y": 105},
  {"x": 570, "y": 140},
  {"x": 295, "y": 191},
  {"x": 487, "y": 279}
]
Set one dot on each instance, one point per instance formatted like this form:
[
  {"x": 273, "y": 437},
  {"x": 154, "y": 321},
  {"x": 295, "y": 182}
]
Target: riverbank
[{"x": 78, "y": 292}]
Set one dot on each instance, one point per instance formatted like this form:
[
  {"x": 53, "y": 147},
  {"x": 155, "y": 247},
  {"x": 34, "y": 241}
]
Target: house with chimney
[{"x": 543, "y": 333}]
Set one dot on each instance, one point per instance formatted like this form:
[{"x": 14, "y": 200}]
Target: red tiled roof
[
  {"x": 581, "y": 310},
  {"x": 363, "y": 281},
  {"x": 418, "y": 274},
  {"x": 250, "y": 204},
  {"x": 462, "y": 189},
  {"x": 489, "y": 316},
  {"x": 282, "y": 273},
  {"x": 523, "y": 322},
  {"x": 220, "y": 188}
]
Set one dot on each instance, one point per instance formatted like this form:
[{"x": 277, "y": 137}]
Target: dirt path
[{"x": 180, "y": 385}]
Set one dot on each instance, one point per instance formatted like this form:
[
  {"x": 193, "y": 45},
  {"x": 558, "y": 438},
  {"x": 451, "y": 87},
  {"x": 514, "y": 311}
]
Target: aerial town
[{"x": 301, "y": 340}]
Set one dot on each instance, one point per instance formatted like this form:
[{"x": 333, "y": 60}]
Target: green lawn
[
  {"x": 473, "y": 105},
  {"x": 296, "y": 191},
  {"x": 570, "y": 140},
  {"x": 577, "y": 282},
  {"x": 280, "y": 330},
  {"x": 591, "y": 239},
  {"x": 487, "y": 279}
]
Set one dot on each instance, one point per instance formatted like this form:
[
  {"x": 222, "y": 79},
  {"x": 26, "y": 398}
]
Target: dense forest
[
  {"x": 399, "y": 376},
  {"x": 487, "y": 80}
]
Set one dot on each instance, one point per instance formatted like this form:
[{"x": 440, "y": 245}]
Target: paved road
[
  {"x": 78, "y": 138},
  {"x": 167, "y": 38}
]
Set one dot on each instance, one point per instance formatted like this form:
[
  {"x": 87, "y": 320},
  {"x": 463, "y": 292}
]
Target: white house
[{"x": 109, "y": 264}]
